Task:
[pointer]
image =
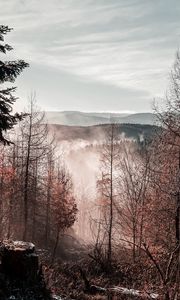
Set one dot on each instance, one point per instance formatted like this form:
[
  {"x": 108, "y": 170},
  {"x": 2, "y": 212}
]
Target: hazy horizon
[{"x": 100, "y": 112}]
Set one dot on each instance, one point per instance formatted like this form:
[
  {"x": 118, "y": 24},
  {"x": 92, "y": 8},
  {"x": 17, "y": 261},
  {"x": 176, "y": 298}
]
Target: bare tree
[
  {"x": 64, "y": 205},
  {"x": 133, "y": 181},
  {"x": 50, "y": 175},
  {"x": 107, "y": 184},
  {"x": 34, "y": 148}
]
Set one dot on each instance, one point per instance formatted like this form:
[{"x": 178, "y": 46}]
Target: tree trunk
[
  {"x": 27, "y": 178},
  {"x": 34, "y": 201},
  {"x": 56, "y": 245},
  {"x": 109, "y": 254},
  {"x": 48, "y": 204}
]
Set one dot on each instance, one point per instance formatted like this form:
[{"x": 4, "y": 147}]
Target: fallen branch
[
  {"x": 114, "y": 291},
  {"x": 132, "y": 292}
]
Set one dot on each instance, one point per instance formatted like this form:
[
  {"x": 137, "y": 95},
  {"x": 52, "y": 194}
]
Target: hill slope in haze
[{"x": 76, "y": 118}]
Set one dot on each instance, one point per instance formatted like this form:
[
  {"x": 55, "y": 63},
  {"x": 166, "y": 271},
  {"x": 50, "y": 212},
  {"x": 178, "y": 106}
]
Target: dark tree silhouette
[{"x": 9, "y": 70}]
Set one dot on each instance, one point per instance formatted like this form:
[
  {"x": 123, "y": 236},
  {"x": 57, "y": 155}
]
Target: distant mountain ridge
[{"x": 77, "y": 118}]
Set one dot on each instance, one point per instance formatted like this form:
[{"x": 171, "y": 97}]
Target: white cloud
[{"x": 123, "y": 43}]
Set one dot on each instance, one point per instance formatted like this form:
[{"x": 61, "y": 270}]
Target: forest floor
[{"x": 64, "y": 277}]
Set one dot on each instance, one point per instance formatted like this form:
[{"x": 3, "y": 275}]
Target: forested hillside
[{"x": 96, "y": 133}]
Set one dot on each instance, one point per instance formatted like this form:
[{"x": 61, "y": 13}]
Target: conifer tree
[{"x": 9, "y": 70}]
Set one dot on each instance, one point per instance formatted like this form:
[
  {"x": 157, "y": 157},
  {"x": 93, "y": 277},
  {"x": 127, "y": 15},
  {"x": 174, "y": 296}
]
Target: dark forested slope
[{"x": 97, "y": 132}]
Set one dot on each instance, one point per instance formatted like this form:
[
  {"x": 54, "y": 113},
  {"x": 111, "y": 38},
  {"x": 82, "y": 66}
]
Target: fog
[{"x": 82, "y": 158}]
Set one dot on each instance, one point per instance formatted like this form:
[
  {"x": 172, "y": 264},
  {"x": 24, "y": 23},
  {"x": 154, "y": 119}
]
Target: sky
[{"x": 93, "y": 55}]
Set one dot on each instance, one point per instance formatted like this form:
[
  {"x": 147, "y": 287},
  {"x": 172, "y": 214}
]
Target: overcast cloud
[{"x": 103, "y": 55}]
